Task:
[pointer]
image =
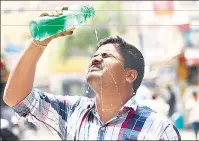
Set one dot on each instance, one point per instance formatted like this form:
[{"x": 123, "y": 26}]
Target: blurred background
[{"x": 166, "y": 32}]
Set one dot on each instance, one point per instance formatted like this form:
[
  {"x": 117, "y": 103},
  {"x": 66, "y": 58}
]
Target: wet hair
[{"x": 133, "y": 58}]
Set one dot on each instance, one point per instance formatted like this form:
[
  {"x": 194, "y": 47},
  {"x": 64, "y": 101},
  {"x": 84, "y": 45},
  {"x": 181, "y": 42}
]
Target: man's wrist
[{"x": 39, "y": 44}]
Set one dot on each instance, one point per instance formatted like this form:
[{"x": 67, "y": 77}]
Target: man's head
[
  {"x": 169, "y": 87},
  {"x": 195, "y": 95},
  {"x": 118, "y": 62}
]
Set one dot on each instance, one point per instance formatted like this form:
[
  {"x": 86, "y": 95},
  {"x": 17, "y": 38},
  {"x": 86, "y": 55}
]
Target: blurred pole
[{"x": 139, "y": 31}]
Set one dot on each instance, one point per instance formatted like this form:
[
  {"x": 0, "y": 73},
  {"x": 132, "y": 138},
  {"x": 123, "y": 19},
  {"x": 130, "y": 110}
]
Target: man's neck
[{"x": 109, "y": 101}]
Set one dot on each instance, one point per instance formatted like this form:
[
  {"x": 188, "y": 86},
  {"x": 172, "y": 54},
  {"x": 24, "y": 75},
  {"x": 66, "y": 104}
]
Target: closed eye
[
  {"x": 105, "y": 55},
  {"x": 94, "y": 55}
]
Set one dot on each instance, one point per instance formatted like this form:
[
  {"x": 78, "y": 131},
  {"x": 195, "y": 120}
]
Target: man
[
  {"x": 171, "y": 101},
  {"x": 115, "y": 72},
  {"x": 192, "y": 106}
]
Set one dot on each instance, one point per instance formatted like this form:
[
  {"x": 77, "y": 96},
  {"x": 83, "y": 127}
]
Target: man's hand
[
  {"x": 21, "y": 78},
  {"x": 65, "y": 33}
]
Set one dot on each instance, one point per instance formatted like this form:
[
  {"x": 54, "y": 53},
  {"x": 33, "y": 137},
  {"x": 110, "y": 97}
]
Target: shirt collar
[{"x": 131, "y": 104}]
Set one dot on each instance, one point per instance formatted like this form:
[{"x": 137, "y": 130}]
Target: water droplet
[{"x": 96, "y": 35}]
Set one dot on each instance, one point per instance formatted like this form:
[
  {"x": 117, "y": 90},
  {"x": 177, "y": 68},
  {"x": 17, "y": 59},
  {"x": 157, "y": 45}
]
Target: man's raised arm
[{"x": 20, "y": 81}]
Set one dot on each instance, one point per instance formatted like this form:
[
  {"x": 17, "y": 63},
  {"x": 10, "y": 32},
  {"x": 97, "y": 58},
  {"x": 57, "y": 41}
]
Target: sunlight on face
[{"x": 106, "y": 64}]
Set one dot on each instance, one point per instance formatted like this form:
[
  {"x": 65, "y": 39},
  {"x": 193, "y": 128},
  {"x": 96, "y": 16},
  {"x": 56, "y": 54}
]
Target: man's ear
[{"x": 131, "y": 75}]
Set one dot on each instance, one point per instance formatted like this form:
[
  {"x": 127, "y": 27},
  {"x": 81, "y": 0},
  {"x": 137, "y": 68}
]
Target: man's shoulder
[
  {"x": 149, "y": 115},
  {"x": 156, "y": 125},
  {"x": 84, "y": 101},
  {"x": 144, "y": 111}
]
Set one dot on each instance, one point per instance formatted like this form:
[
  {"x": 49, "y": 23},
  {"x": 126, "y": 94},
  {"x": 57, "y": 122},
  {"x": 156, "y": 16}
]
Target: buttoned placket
[{"x": 102, "y": 129}]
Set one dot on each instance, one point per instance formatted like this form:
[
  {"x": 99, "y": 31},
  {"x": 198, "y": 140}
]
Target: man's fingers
[
  {"x": 70, "y": 32},
  {"x": 44, "y": 14},
  {"x": 57, "y": 12},
  {"x": 52, "y": 13},
  {"x": 65, "y": 33},
  {"x": 65, "y": 7}
]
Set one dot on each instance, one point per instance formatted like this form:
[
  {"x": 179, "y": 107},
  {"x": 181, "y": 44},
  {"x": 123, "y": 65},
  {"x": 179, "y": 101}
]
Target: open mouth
[{"x": 95, "y": 68}]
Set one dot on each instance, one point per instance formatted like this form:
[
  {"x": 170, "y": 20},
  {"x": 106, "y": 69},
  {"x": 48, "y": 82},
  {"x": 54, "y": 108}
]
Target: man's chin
[
  {"x": 94, "y": 80},
  {"x": 93, "y": 76}
]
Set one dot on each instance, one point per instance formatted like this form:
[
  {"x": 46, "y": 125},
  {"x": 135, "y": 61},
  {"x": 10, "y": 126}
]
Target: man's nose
[{"x": 97, "y": 60}]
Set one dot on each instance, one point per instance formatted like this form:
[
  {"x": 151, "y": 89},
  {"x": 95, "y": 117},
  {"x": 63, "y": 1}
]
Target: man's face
[{"x": 106, "y": 65}]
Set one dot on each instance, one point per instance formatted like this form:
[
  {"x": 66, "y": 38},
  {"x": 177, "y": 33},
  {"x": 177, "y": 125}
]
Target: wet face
[{"x": 106, "y": 65}]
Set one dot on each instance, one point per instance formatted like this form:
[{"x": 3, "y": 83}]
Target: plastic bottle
[{"x": 47, "y": 26}]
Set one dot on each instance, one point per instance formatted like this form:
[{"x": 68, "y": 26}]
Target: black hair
[{"x": 133, "y": 58}]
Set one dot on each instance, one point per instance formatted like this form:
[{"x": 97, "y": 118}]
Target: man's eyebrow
[
  {"x": 105, "y": 51},
  {"x": 95, "y": 54}
]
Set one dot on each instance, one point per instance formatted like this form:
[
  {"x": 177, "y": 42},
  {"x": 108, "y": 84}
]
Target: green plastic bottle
[{"x": 47, "y": 26}]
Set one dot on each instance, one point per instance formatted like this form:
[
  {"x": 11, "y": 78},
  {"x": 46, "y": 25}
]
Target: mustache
[
  {"x": 93, "y": 66},
  {"x": 96, "y": 66}
]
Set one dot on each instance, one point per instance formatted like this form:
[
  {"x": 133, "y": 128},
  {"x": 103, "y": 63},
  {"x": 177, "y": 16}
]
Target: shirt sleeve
[
  {"x": 53, "y": 111},
  {"x": 170, "y": 133}
]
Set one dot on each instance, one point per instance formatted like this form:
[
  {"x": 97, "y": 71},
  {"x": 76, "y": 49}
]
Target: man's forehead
[{"x": 107, "y": 48}]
